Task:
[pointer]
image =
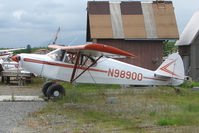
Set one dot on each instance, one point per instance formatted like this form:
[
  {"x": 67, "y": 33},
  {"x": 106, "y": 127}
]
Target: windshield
[{"x": 55, "y": 55}]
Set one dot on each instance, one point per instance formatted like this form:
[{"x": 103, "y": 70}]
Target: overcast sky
[{"x": 35, "y": 22}]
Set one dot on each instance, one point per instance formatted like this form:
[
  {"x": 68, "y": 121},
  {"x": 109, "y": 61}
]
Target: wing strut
[
  {"x": 87, "y": 68},
  {"x": 75, "y": 68}
]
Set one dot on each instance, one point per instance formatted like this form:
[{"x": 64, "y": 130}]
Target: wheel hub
[{"x": 56, "y": 93}]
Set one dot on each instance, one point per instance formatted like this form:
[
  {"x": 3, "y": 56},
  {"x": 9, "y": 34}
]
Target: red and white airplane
[{"x": 93, "y": 63}]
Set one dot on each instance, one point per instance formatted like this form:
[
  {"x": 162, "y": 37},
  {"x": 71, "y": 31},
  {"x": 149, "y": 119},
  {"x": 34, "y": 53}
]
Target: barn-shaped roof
[
  {"x": 131, "y": 20},
  {"x": 191, "y": 31}
]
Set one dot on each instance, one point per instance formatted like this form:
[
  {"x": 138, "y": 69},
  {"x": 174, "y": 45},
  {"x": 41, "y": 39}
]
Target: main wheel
[
  {"x": 55, "y": 91},
  {"x": 45, "y": 87}
]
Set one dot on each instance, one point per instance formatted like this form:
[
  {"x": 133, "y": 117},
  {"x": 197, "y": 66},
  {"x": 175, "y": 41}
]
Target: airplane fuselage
[{"x": 105, "y": 71}]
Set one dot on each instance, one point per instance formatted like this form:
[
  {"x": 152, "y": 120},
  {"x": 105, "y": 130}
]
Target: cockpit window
[
  {"x": 69, "y": 58},
  {"x": 56, "y": 54},
  {"x": 59, "y": 55},
  {"x": 86, "y": 60}
]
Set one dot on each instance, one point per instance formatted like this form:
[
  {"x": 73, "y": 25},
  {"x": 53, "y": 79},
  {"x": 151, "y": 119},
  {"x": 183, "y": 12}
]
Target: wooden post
[
  {"x": 2, "y": 79},
  {"x": 8, "y": 80}
]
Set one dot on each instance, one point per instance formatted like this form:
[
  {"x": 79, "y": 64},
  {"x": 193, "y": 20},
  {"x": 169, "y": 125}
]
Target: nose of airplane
[{"x": 16, "y": 58}]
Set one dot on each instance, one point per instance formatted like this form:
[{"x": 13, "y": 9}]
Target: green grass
[
  {"x": 36, "y": 83},
  {"x": 192, "y": 108},
  {"x": 97, "y": 117},
  {"x": 135, "y": 111},
  {"x": 195, "y": 84},
  {"x": 165, "y": 122},
  {"x": 189, "y": 84},
  {"x": 81, "y": 92}
]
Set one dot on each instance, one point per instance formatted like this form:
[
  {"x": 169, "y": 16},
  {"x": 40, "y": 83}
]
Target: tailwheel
[
  {"x": 45, "y": 87},
  {"x": 55, "y": 91},
  {"x": 177, "y": 90}
]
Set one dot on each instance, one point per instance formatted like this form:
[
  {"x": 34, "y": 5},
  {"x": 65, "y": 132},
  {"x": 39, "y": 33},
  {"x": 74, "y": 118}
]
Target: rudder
[{"x": 172, "y": 67}]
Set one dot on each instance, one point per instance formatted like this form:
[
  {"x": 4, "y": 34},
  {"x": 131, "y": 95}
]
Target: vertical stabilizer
[{"x": 172, "y": 67}]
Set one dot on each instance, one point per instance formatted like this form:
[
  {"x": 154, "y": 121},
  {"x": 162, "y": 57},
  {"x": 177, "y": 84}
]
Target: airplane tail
[{"x": 172, "y": 67}]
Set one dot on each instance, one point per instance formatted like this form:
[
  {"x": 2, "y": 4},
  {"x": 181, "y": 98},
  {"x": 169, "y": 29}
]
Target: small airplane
[
  {"x": 9, "y": 66},
  {"x": 5, "y": 54},
  {"x": 5, "y": 62},
  {"x": 93, "y": 63}
]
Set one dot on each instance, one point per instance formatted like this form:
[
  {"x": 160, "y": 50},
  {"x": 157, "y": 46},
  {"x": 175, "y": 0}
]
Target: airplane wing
[
  {"x": 95, "y": 50},
  {"x": 11, "y": 49}
]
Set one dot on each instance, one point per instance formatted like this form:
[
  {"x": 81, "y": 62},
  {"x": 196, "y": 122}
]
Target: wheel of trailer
[
  {"x": 55, "y": 91},
  {"x": 45, "y": 87}
]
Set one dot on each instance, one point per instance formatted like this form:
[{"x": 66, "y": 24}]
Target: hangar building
[
  {"x": 137, "y": 27},
  {"x": 189, "y": 46}
]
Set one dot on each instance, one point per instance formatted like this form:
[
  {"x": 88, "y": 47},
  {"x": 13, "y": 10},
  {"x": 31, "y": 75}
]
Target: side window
[
  {"x": 69, "y": 58},
  {"x": 86, "y": 60},
  {"x": 65, "y": 59}
]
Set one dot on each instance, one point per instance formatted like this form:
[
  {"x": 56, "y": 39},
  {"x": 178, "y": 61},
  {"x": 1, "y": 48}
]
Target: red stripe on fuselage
[{"x": 61, "y": 65}]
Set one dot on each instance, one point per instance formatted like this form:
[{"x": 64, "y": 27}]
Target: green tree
[
  {"x": 169, "y": 47},
  {"x": 28, "y": 48}
]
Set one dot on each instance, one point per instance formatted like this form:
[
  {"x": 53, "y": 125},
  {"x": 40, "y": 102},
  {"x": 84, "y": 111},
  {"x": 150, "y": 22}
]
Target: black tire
[
  {"x": 45, "y": 87},
  {"x": 55, "y": 91}
]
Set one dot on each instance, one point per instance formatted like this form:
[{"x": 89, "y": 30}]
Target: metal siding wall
[
  {"x": 196, "y": 50},
  {"x": 116, "y": 20},
  {"x": 149, "y": 20},
  {"x": 186, "y": 61},
  {"x": 149, "y": 53},
  {"x": 195, "y": 60},
  {"x": 184, "y": 52}
]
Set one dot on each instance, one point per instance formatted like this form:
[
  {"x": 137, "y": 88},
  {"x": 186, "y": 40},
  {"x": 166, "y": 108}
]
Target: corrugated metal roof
[
  {"x": 149, "y": 18},
  {"x": 190, "y": 32},
  {"x": 100, "y": 7},
  {"x": 131, "y": 20},
  {"x": 116, "y": 20},
  {"x": 131, "y": 8},
  {"x": 165, "y": 20}
]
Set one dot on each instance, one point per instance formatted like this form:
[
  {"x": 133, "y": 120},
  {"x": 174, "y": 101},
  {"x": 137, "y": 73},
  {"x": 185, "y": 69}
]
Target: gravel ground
[
  {"x": 20, "y": 91},
  {"x": 13, "y": 113}
]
